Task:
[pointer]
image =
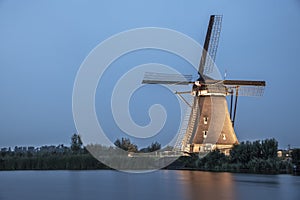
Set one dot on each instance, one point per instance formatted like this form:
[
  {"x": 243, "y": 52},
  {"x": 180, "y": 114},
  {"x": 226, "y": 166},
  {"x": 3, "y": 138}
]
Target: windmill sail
[
  {"x": 192, "y": 125},
  {"x": 170, "y": 79},
  {"x": 208, "y": 124},
  {"x": 186, "y": 130},
  {"x": 227, "y": 87},
  {"x": 245, "y": 88},
  {"x": 210, "y": 45}
]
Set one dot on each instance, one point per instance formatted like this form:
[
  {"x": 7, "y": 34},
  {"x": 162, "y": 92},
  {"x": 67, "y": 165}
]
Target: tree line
[
  {"x": 51, "y": 157},
  {"x": 249, "y": 157},
  {"x": 74, "y": 157}
]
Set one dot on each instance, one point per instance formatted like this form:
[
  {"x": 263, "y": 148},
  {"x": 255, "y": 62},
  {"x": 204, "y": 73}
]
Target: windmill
[{"x": 210, "y": 124}]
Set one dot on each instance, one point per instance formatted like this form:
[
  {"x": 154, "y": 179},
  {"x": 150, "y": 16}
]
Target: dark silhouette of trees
[
  {"x": 154, "y": 146},
  {"x": 246, "y": 151},
  {"x": 126, "y": 145},
  {"x": 254, "y": 157},
  {"x": 49, "y": 157},
  {"x": 250, "y": 157},
  {"x": 76, "y": 143},
  {"x": 212, "y": 161}
]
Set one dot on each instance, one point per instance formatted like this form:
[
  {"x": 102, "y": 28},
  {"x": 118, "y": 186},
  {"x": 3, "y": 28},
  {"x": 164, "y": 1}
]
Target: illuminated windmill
[{"x": 210, "y": 124}]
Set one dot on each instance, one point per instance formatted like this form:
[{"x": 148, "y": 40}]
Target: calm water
[{"x": 173, "y": 185}]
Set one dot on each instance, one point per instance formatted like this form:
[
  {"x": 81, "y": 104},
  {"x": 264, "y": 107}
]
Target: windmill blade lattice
[
  {"x": 170, "y": 79},
  {"x": 210, "y": 45},
  {"x": 254, "y": 91}
]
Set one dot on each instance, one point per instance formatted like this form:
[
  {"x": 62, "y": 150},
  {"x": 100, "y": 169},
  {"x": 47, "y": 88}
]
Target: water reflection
[
  {"x": 164, "y": 184},
  {"x": 227, "y": 186},
  {"x": 206, "y": 185}
]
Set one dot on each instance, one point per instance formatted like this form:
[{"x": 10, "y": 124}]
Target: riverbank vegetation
[{"x": 246, "y": 157}]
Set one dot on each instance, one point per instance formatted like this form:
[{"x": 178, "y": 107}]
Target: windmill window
[
  {"x": 205, "y": 134},
  {"x": 224, "y": 137},
  {"x": 205, "y": 120}
]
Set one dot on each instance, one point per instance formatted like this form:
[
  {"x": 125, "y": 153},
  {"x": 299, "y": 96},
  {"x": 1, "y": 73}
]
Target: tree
[
  {"x": 126, "y": 145},
  {"x": 214, "y": 160},
  {"x": 155, "y": 146},
  {"x": 76, "y": 143},
  {"x": 269, "y": 148}
]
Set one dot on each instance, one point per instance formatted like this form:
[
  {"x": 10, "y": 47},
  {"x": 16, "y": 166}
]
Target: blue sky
[{"x": 43, "y": 43}]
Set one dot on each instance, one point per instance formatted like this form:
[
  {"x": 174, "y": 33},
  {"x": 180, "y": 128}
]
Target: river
[{"x": 163, "y": 184}]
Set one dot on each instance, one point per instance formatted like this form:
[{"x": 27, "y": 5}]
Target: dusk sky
[{"x": 43, "y": 43}]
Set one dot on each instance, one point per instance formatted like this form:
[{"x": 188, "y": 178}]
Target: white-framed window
[
  {"x": 205, "y": 120},
  {"x": 205, "y": 134},
  {"x": 224, "y": 137}
]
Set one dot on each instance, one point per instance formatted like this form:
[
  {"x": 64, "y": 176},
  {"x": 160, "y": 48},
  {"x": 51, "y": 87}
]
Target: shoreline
[{"x": 163, "y": 169}]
